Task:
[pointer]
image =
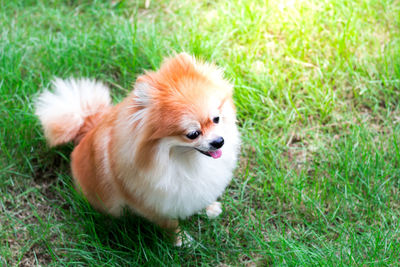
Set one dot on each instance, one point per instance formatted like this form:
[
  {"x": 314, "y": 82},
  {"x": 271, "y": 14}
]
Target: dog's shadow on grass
[
  {"x": 124, "y": 234},
  {"x": 49, "y": 162}
]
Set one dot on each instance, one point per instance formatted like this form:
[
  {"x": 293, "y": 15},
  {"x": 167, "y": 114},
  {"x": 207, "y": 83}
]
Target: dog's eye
[
  {"x": 216, "y": 119},
  {"x": 193, "y": 135}
]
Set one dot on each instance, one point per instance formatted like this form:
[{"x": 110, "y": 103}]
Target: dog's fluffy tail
[{"x": 72, "y": 109}]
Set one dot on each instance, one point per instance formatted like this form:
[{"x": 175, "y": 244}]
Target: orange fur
[
  {"x": 61, "y": 132},
  {"x": 180, "y": 88}
]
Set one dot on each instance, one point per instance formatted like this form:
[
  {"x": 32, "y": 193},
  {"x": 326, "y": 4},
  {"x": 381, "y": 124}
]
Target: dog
[{"x": 166, "y": 152}]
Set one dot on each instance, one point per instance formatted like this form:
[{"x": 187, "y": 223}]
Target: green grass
[{"x": 317, "y": 89}]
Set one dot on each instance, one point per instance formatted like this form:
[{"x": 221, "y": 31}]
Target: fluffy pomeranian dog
[{"x": 167, "y": 151}]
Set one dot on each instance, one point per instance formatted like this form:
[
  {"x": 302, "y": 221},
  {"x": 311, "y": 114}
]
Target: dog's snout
[{"x": 218, "y": 142}]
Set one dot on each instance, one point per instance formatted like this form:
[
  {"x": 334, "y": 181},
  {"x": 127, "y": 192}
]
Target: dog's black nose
[{"x": 218, "y": 142}]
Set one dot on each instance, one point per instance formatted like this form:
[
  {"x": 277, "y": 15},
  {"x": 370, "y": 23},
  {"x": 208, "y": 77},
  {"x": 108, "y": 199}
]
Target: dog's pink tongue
[{"x": 215, "y": 154}]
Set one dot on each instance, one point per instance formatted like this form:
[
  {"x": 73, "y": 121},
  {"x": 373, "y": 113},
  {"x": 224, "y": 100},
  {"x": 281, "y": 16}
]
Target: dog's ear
[{"x": 142, "y": 92}]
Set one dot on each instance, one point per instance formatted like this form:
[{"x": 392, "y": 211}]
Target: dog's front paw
[{"x": 214, "y": 210}]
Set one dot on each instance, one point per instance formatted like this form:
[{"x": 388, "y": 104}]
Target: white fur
[
  {"x": 142, "y": 100},
  {"x": 81, "y": 97},
  {"x": 71, "y": 101},
  {"x": 214, "y": 210},
  {"x": 191, "y": 181},
  {"x": 182, "y": 181}
]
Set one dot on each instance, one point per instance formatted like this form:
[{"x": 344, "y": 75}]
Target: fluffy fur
[{"x": 137, "y": 153}]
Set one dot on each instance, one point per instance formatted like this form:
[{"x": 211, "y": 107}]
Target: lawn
[{"x": 317, "y": 90}]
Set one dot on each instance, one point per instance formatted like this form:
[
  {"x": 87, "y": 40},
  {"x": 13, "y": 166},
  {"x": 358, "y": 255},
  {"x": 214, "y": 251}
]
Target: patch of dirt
[
  {"x": 298, "y": 152},
  {"x": 29, "y": 204},
  {"x": 35, "y": 256}
]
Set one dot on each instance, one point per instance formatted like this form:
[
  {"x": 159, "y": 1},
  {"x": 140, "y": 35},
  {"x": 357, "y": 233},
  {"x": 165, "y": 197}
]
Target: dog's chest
[{"x": 185, "y": 189}]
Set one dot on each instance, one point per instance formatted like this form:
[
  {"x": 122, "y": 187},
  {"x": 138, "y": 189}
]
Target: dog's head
[{"x": 186, "y": 103}]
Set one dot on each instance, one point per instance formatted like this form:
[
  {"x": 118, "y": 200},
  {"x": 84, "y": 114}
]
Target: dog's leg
[
  {"x": 172, "y": 226},
  {"x": 214, "y": 210}
]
